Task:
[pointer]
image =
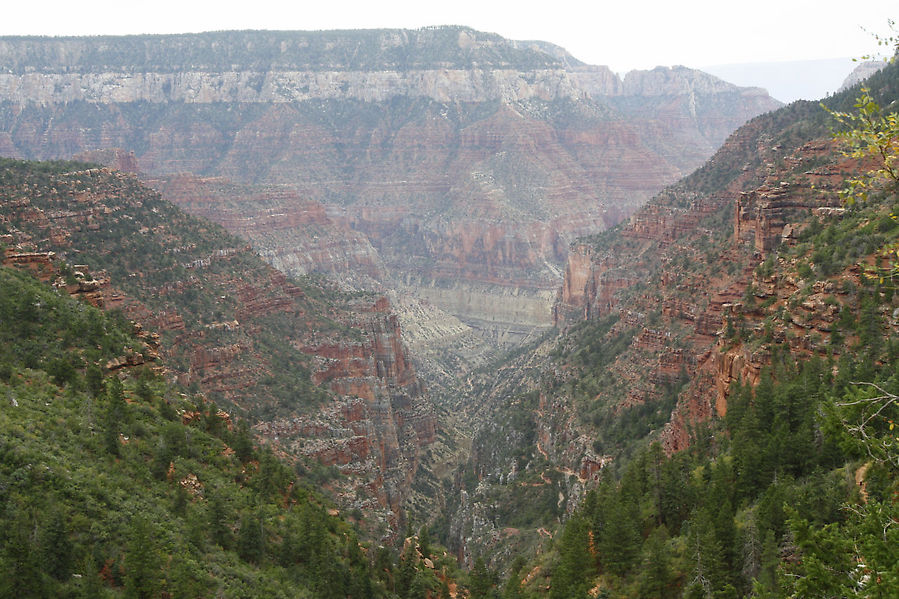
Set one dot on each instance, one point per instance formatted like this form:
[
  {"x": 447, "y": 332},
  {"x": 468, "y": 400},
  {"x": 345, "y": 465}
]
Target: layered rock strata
[
  {"x": 700, "y": 312},
  {"x": 468, "y": 162}
]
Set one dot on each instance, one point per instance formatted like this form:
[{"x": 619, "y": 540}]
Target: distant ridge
[
  {"x": 790, "y": 80},
  {"x": 862, "y": 71},
  {"x": 368, "y": 49}
]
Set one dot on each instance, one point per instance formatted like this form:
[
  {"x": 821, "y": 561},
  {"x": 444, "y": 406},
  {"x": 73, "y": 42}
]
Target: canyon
[
  {"x": 462, "y": 283},
  {"x": 704, "y": 289},
  {"x": 453, "y": 210},
  {"x": 449, "y": 167}
]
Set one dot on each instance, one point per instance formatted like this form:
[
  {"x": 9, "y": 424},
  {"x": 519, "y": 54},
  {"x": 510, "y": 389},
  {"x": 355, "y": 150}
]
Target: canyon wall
[
  {"x": 715, "y": 281},
  {"x": 325, "y": 375},
  {"x": 454, "y": 166},
  {"x": 684, "y": 273}
]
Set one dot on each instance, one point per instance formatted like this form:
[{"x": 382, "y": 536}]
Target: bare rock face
[
  {"x": 454, "y": 166},
  {"x": 295, "y": 235},
  {"x": 376, "y": 432}
]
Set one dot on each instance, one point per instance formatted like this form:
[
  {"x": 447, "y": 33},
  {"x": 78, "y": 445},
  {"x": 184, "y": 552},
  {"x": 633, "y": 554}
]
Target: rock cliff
[
  {"x": 467, "y": 161},
  {"x": 653, "y": 272},
  {"x": 721, "y": 278}
]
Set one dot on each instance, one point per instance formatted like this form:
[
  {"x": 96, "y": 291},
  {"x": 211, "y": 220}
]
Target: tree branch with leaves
[{"x": 870, "y": 135}]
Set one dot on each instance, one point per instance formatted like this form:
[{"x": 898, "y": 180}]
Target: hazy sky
[{"x": 623, "y": 34}]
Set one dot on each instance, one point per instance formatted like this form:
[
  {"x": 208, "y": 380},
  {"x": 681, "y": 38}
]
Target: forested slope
[
  {"x": 297, "y": 357},
  {"x": 119, "y": 484}
]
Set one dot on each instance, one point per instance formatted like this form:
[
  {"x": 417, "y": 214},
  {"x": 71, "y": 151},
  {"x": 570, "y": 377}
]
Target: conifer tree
[
  {"x": 445, "y": 589},
  {"x": 94, "y": 378},
  {"x": 424, "y": 542},
  {"x": 655, "y": 573},
  {"x": 143, "y": 562},
  {"x": 218, "y": 521},
  {"x": 56, "y": 546},
  {"x": 708, "y": 572},
  {"x": 20, "y": 558},
  {"x": 576, "y": 565},
  {"x": 482, "y": 580},
  {"x": 115, "y": 414},
  {"x": 766, "y": 583},
  {"x": 620, "y": 540},
  {"x": 251, "y": 538},
  {"x": 406, "y": 571},
  {"x": 90, "y": 585}
]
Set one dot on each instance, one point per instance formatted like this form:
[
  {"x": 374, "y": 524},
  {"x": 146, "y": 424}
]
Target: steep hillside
[
  {"x": 115, "y": 483},
  {"x": 747, "y": 266},
  {"x": 467, "y": 161},
  {"x": 324, "y": 373}
]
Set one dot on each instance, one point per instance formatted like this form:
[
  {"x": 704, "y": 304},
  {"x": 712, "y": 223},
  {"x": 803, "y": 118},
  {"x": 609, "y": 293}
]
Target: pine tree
[
  {"x": 94, "y": 378},
  {"x": 180, "y": 500},
  {"x": 576, "y": 565},
  {"x": 218, "y": 521},
  {"x": 91, "y": 585},
  {"x": 57, "y": 550},
  {"x": 115, "y": 415},
  {"x": 143, "y": 562},
  {"x": 251, "y": 539},
  {"x": 424, "y": 542},
  {"x": 513, "y": 588},
  {"x": 20, "y": 559},
  {"x": 766, "y": 584},
  {"x": 420, "y": 587},
  {"x": 620, "y": 539},
  {"x": 708, "y": 575},
  {"x": 144, "y": 391},
  {"x": 242, "y": 442},
  {"x": 655, "y": 574},
  {"x": 719, "y": 498},
  {"x": 482, "y": 580},
  {"x": 288, "y": 552},
  {"x": 183, "y": 578},
  {"x": 405, "y": 573}
]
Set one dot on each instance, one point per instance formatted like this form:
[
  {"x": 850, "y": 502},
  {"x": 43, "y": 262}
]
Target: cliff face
[
  {"x": 376, "y": 431},
  {"x": 747, "y": 264},
  {"x": 295, "y": 235},
  {"x": 326, "y": 376},
  {"x": 654, "y": 271},
  {"x": 468, "y": 162},
  {"x": 708, "y": 270}
]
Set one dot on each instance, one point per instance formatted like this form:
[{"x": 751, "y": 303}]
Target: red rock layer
[{"x": 688, "y": 335}]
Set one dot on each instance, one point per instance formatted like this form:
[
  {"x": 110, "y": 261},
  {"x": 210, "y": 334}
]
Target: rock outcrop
[
  {"x": 375, "y": 433},
  {"x": 861, "y": 72}
]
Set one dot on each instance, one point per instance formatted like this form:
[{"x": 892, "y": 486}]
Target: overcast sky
[{"x": 623, "y": 34}]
